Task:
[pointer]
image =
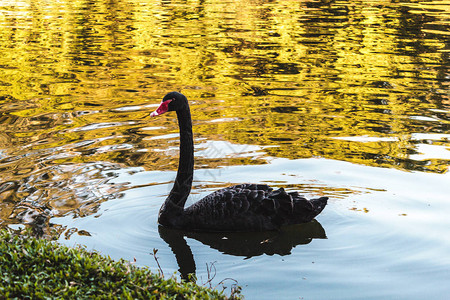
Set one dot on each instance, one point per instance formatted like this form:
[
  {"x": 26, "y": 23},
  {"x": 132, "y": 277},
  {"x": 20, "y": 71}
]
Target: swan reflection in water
[{"x": 247, "y": 244}]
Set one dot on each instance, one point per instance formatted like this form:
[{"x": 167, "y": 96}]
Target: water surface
[{"x": 346, "y": 99}]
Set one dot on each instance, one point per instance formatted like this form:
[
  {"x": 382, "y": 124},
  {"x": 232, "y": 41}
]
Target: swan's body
[{"x": 245, "y": 207}]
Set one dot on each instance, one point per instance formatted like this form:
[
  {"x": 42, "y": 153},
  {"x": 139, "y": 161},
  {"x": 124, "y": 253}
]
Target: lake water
[{"x": 348, "y": 99}]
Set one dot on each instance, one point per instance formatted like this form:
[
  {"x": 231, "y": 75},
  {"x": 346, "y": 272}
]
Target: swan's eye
[{"x": 163, "y": 108}]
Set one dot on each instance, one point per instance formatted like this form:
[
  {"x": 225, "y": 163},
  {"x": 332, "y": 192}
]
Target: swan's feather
[{"x": 247, "y": 207}]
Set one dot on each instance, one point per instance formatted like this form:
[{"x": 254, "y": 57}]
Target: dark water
[{"x": 346, "y": 99}]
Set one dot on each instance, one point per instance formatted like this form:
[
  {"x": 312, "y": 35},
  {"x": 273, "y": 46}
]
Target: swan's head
[{"x": 173, "y": 101}]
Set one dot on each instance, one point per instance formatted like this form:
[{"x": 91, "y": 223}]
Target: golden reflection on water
[{"x": 365, "y": 82}]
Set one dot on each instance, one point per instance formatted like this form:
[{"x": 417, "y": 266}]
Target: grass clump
[{"x": 33, "y": 268}]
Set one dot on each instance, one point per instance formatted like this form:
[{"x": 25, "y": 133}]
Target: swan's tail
[
  {"x": 319, "y": 204},
  {"x": 291, "y": 208},
  {"x": 306, "y": 210}
]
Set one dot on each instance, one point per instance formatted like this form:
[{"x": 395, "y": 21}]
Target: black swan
[{"x": 244, "y": 207}]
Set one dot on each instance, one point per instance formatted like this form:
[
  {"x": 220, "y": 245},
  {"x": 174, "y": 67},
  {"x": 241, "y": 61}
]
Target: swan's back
[{"x": 251, "y": 207}]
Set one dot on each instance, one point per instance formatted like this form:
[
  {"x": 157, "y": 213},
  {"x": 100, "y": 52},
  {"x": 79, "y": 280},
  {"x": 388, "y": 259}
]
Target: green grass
[{"x": 33, "y": 268}]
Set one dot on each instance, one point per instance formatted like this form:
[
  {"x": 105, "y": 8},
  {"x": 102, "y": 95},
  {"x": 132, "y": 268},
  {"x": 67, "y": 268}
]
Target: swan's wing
[
  {"x": 233, "y": 200},
  {"x": 251, "y": 207}
]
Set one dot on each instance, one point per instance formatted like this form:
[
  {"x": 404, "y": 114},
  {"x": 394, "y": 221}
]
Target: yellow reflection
[{"x": 294, "y": 76}]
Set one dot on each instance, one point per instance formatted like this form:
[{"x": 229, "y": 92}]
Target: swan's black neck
[
  {"x": 183, "y": 181},
  {"x": 172, "y": 210}
]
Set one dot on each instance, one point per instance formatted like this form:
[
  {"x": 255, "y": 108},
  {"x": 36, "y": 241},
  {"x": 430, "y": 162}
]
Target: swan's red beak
[{"x": 163, "y": 108}]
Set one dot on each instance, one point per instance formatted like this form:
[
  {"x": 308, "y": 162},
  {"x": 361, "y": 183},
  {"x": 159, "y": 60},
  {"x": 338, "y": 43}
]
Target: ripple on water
[
  {"x": 364, "y": 249},
  {"x": 344, "y": 100}
]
